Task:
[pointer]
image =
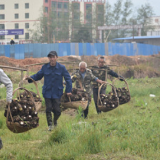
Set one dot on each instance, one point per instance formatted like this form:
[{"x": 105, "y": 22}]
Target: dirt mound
[{"x": 136, "y": 66}]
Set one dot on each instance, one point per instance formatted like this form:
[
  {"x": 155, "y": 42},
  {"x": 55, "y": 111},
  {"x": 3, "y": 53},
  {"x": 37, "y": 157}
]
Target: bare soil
[{"x": 128, "y": 66}]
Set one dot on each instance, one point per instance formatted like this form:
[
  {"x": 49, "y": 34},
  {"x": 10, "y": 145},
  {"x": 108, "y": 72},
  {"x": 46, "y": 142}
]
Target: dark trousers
[
  {"x": 52, "y": 105},
  {"x": 95, "y": 97},
  {"x": 85, "y": 112},
  {"x": 1, "y": 145}
]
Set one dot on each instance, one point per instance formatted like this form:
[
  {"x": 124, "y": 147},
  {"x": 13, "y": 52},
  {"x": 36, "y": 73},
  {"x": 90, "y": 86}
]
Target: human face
[
  {"x": 101, "y": 62},
  {"x": 52, "y": 60},
  {"x": 82, "y": 68}
]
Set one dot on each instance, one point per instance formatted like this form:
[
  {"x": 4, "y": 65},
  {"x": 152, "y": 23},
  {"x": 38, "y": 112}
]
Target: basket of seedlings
[
  {"x": 21, "y": 114},
  {"x": 107, "y": 102},
  {"x": 79, "y": 98},
  {"x": 36, "y": 96},
  {"x": 123, "y": 93}
]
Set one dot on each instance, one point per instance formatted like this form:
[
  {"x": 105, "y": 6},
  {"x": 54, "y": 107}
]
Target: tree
[
  {"x": 109, "y": 20},
  {"x": 117, "y": 16},
  {"x": 143, "y": 17},
  {"x": 51, "y": 26},
  {"x": 83, "y": 35},
  {"x": 75, "y": 23},
  {"x": 126, "y": 16}
]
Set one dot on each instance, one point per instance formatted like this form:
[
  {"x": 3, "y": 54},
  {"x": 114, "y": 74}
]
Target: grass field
[{"x": 130, "y": 132}]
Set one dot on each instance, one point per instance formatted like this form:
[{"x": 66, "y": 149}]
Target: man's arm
[
  {"x": 38, "y": 76},
  {"x": 94, "y": 78},
  {"x": 7, "y": 82},
  {"x": 114, "y": 74},
  {"x": 68, "y": 80},
  {"x": 74, "y": 76}
]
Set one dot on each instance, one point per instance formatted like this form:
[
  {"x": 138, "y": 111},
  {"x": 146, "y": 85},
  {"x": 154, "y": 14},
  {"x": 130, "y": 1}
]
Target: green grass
[{"x": 131, "y": 131}]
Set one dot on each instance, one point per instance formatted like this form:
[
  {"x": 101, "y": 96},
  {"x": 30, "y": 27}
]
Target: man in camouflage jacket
[
  {"x": 83, "y": 78},
  {"x": 100, "y": 71}
]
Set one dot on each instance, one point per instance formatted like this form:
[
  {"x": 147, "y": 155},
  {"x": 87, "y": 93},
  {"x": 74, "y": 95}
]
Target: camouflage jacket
[
  {"x": 86, "y": 81},
  {"x": 100, "y": 74}
]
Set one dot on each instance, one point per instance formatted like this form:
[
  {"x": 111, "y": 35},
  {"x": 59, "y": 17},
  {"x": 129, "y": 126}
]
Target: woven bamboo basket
[
  {"x": 37, "y": 104},
  {"x": 99, "y": 102},
  {"x": 126, "y": 93},
  {"x": 74, "y": 104},
  {"x": 15, "y": 127}
]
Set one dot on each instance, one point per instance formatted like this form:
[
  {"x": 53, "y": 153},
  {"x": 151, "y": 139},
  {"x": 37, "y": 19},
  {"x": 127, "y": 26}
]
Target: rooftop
[{"x": 137, "y": 37}]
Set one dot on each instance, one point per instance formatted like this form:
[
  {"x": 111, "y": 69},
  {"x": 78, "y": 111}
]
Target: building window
[
  {"x": 59, "y": 14},
  {"x": 16, "y": 6},
  {"x": 16, "y": 37},
  {"x": 100, "y": 9},
  {"x": 26, "y": 15},
  {"x": 89, "y": 17},
  {"x": 26, "y": 35},
  {"x": 2, "y": 16},
  {"x": 2, "y": 7},
  {"x": 54, "y": 4},
  {"x": 46, "y": 1},
  {"x": 26, "y": 5},
  {"x": 65, "y": 6},
  {"x": 88, "y": 6},
  {"x": 2, "y": 37},
  {"x": 46, "y": 9},
  {"x": 76, "y": 6},
  {"x": 26, "y": 25},
  {"x": 2, "y": 26},
  {"x": 59, "y": 5},
  {"x": 16, "y": 16},
  {"x": 66, "y": 15},
  {"x": 156, "y": 20},
  {"x": 76, "y": 16},
  {"x": 16, "y": 25}
]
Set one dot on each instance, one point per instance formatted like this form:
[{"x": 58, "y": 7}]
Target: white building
[
  {"x": 18, "y": 14},
  {"x": 155, "y": 22}
]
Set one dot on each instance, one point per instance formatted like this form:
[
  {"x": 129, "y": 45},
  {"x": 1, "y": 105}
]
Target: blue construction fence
[{"x": 21, "y": 51}]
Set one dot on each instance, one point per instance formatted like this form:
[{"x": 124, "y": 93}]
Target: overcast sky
[{"x": 137, "y": 3}]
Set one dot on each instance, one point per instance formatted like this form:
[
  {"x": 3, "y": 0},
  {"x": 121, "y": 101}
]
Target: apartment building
[
  {"x": 18, "y": 15},
  {"x": 155, "y": 23},
  {"x": 85, "y": 11},
  {"x": 22, "y": 15}
]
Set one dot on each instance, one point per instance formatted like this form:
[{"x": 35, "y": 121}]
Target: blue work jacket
[{"x": 53, "y": 80}]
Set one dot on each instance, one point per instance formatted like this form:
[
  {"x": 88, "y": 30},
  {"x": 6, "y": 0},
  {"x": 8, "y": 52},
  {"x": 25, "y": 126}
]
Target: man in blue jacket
[{"x": 53, "y": 73}]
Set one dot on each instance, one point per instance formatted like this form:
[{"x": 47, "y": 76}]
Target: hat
[{"x": 52, "y": 53}]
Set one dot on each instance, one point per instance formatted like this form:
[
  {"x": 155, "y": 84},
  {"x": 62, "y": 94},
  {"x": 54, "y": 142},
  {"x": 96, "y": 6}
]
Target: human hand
[
  {"x": 100, "y": 81},
  {"x": 121, "y": 78},
  {"x": 8, "y": 102},
  {"x": 69, "y": 94},
  {"x": 25, "y": 77}
]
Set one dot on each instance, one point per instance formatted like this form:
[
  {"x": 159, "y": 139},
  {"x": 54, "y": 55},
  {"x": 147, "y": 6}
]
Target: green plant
[
  {"x": 58, "y": 136},
  {"x": 1, "y": 124}
]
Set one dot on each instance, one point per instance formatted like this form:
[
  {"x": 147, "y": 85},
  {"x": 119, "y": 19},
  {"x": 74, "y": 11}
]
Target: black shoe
[
  {"x": 1, "y": 145},
  {"x": 55, "y": 123},
  {"x": 99, "y": 112}
]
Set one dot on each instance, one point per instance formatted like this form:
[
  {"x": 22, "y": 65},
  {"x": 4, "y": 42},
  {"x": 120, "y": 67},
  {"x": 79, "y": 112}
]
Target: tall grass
[{"x": 131, "y": 131}]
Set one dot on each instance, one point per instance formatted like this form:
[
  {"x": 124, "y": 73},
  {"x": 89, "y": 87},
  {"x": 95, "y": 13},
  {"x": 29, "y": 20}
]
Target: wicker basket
[
  {"x": 15, "y": 127},
  {"x": 37, "y": 104},
  {"x": 100, "y": 105},
  {"x": 126, "y": 99},
  {"x": 74, "y": 104}
]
